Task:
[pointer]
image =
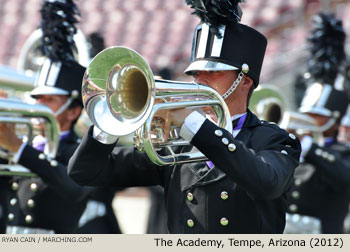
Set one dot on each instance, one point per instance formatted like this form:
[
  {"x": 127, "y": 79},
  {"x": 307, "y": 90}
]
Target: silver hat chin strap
[
  {"x": 245, "y": 70},
  {"x": 63, "y": 107},
  {"x": 69, "y": 101}
]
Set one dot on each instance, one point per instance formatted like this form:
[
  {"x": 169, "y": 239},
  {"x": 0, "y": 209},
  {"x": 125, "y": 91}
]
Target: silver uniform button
[
  {"x": 231, "y": 147},
  {"x": 29, "y": 219},
  {"x": 31, "y": 203},
  {"x": 11, "y": 216},
  {"x": 14, "y": 186},
  {"x": 53, "y": 163},
  {"x": 13, "y": 201},
  {"x": 284, "y": 152},
  {"x": 224, "y": 221},
  {"x": 295, "y": 195},
  {"x": 224, "y": 195},
  {"x": 189, "y": 196},
  {"x": 42, "y": 156},
  {"x": 33, "y": 187},
  {"x": 325, "y": 155},
  {"x": 218, "y": 133},
  {"x": 318, "y": 152},
  {"x": 298, "y": 182},
  {"x": 225, "y": 141},
  {"x": 331, "y": 158},
  {"x": 292, "y": 136},
  {"x": 190, "y": 223},
  {"x": 293, "y": 208}
]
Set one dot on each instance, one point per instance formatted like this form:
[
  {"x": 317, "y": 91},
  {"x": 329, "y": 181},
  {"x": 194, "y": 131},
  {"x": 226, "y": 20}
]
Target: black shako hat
[
  {"x": 325, "y": 100},
  {"x": 326, "y": 95},
  {"x": 221, "y": 43},
  {"x": 60, "y": 74}
]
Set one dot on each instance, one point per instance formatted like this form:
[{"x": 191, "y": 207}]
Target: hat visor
[
  {"x": 316, "y": 110},
  {"x": 45, "y": 90},
  {"x": 205, "y": 65}
]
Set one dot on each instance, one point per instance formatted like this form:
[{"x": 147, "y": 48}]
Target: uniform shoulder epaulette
[
  {"x": 275, "y": 126},
  {"x": 271, "y": 124}
]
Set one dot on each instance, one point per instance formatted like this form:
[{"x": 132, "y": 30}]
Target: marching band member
[
  {"x": 322, "y": 189},
  {"x": 51, "y": 202},
  {"x": 242, "y": 189}
]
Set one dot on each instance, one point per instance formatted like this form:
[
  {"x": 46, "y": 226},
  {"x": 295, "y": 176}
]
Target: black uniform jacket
[
  {"x": 243, "y": 193},
  {"x": 108, "y": 223},
  {"x": 326, "y": 193},
  {"x": 3, "y": 203},
  {"x": 52, "y": 200}
]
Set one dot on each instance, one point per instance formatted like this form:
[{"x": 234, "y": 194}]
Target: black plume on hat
[
  {"x": 327, "y": 94},
  {"x": 96, "y": 43},
  {"x": 326, "y": 48},
  {"x": 58, "y": 27},
  {"x": 217, "y": 12}
]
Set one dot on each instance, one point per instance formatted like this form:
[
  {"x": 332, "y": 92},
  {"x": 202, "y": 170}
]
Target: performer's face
[
  {"x": 54, "y": 102},
  {"x": 344, "y": 134},
  {"x": 221, "y": 81}
]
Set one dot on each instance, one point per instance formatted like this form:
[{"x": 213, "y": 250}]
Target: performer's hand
[
  {"x": 3, "y": 94},
  {"x": 171, "y": 118},
  {"x": 178, "y": 116},
  {"x": 8, "y": 138},
  {"x": 210, "y": 114}
]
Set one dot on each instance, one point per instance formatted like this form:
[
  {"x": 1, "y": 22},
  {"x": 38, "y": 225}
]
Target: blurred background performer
[
  {"x": 51, "y": 202},
  {"x": 322, "y": 189},
  {"x": 243, "y": 188},
  {"x": 99, "y": 216},
  {"x": 344, "y": 128}
]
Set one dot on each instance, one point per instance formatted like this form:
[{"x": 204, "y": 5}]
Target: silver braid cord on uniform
[{"x": 234, "y": 85}]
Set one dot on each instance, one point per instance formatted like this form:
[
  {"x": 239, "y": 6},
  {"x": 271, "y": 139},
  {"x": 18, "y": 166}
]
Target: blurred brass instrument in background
[
  {"x": 25, "y": 116},
  {"x": 121, "y": 96},
  {"x": 302, "y": 124},
  {"x": 17, "y": 112},
  {"x": 268, "y": 103},
  {"x": 31, "y": 57}
]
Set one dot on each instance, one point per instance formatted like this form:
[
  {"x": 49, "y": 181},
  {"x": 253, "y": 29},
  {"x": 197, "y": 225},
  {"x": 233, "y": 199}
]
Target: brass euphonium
[
  {"x": 121, "y": 97},
  {"x": 268, "y": 103}
]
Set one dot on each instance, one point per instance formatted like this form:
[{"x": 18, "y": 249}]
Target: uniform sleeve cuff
[
  {"x": 306, "y": 144},
  {"x": 103, "y": 137}
]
